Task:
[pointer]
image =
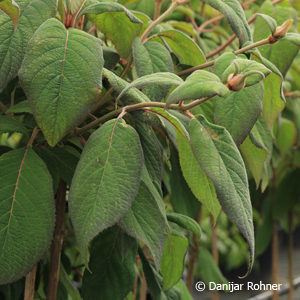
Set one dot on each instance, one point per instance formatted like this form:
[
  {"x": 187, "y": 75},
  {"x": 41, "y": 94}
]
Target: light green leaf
[
  {"x": 159, "y": 79},
  {"x": 286, "y": 135},
  {"x": 148, "y": 58},
  {"x": 239, "y": 111},
  {"x": 271, "y": 23},
  {"x": 132, "y": 95},
  {"x": 198, "y": 85},
  {"x": 201, "y": 186},
  {"x": 252, "y": 70},
  {"x": 293, "y": 38},
  {"x": 283, "y": 48},
  {"x": 186, "y": 50},
  {"x": 222, "y": 63},
  {"x": 256, "y": 149},
  {"x": 220, "y": 159},
  {"x": 115, "y": 25},
  {"x": 61, "y": 76},
  {"x": 208, "y": 269},
  {"x": 185, "y": 222},
  {"x": 13, "y": 43},
  {"x": 8, "y": 125},
  {"x": 26, "y": 212},
  {"x": 235, "y": 15},
  {"x": 97, "y": 8},
  {"x": 109, "y": 272},
  {"x": 11, "y": 8},
  {"x": 172, "y": 263},
  {"x": 145, "y": 220},
  {"x": 106, "y": 180}
]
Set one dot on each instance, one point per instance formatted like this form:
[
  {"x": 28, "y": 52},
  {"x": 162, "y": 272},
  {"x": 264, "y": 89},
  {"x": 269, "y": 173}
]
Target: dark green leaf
[
  {"x": 9, "y": 125},
  {"x": 19, "y": 108},
  {"x": 27, "y": 212},
  {"x": 220, "y": 159},
  {"x": 13, "y": 43},
  {"x": 61, "y": 76},
  {"x": 106, "y": 180},
  {"x": 110, "y": 277}
]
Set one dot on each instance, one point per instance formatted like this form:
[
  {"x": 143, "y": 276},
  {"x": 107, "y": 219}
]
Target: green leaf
[
  {"x": 159, "y": 79},
  {"x": 19, "y": 108},
  {"x": 282, "y": 49},
  {"x": 186, "y": 50},
  {"x": 8, "y": 125},
  {"x": 239, "y": 111},
  {"x": 182, "y": 199},
  {"x": 146, "y": 221},
  {"x": 27, "y": 212},
  {"x": 61, "y": 76},
  {"x": 271, "y": 23},
  {"x": 201, "y": 186},
  {"x": 222, "y": 63},
  {"x": 106, "y": 180},
  {"x": 115, "y": 24},
  {"x": 185, "y": 222},
  {"x": 110, "y": 273},
  {"x": 220, "y": 159},
  {"x": 172, "y": 263},
  {"x": 208, "y": 269},
  {"x": 111, "y": 58},
  {"x": 257, "y": 148},
  {"x": 13, "y": 43},
  {"x": 72, "y": 291},
  {"x": 235, "y": 15},
  {"x": 198, "y": 85},
  {"x": 252, "y": 70},
  {"x": 132, "y": 95},
  {"x": 11, "y": 8},
  {"x": 286, "y": 135},
  {"x": 149, "y": 58},
  {"x": 293, "y": 38}
]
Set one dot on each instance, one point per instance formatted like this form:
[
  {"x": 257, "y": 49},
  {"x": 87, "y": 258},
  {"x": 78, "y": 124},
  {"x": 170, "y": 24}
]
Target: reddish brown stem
[
  {"x": 291, "y": 256},
  {"x": 193, "y": 258},
  {"x": 29, "y": 284},
  {"x": 57, "y": 242}
]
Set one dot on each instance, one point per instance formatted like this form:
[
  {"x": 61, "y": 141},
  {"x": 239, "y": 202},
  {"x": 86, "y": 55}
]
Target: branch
[
  {"x": 142, "y": 105},
  {"x": 208, "y": 22},
  {"x": 30, "y": 283}
]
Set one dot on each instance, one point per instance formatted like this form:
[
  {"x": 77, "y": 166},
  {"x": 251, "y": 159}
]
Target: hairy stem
[
  {"x": 142, "y": 105},
  {"x": 57, "y": 242},
  {"x": 30, "y": 283},
  {"x": 157, "y": 9},
  {"x": 208, "y": 22}
]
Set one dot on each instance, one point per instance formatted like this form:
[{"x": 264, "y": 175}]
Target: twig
[
  {"x": 30, "y": 283},
  {"x": 142, "y": 105},
  {"x": 57, "y": 242},
  {"x": 92, "y": 29},
  {"x": 157, "y": 9},
  {"x": 208, "y": 22}
]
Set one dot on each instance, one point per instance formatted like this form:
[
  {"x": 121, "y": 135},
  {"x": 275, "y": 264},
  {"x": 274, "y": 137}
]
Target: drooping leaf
[
  {"x": 11, "y": 8},
  {"x": 172, "y": 263},
  {"x": 256, "y": 149},
  {"x": 220, "y": 159},
  {"x": 201, "y": 186},
  {"x": 293, "y": 38},
  {"x": 106, "y": 180},
  {"x": 198, "y": 85},
  {"x": 114, "y": 24},
  {"x": 239, "y": 111},
  {"x": 145, "y": 220},
  {"x": 8, "y": 124},
  {"x": 283, "y": 48},
  {"x": 149, "y": 58},
  {"x": 252, "y": 70},
  {"x": 13, "y": 43},
  {"x": 271, "y": 22},
  {"x": 186, "y": 50},
  {"x": 111, "y": 276},
  {"x": 61, "y": 76},
  {"x": 132, "y": 95},
  {"x": 159, "y": 79},
  {"x": 235, "y": 15},
  {"x": 26, "y": 212},
  {"x": 185, "y": 222}
]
